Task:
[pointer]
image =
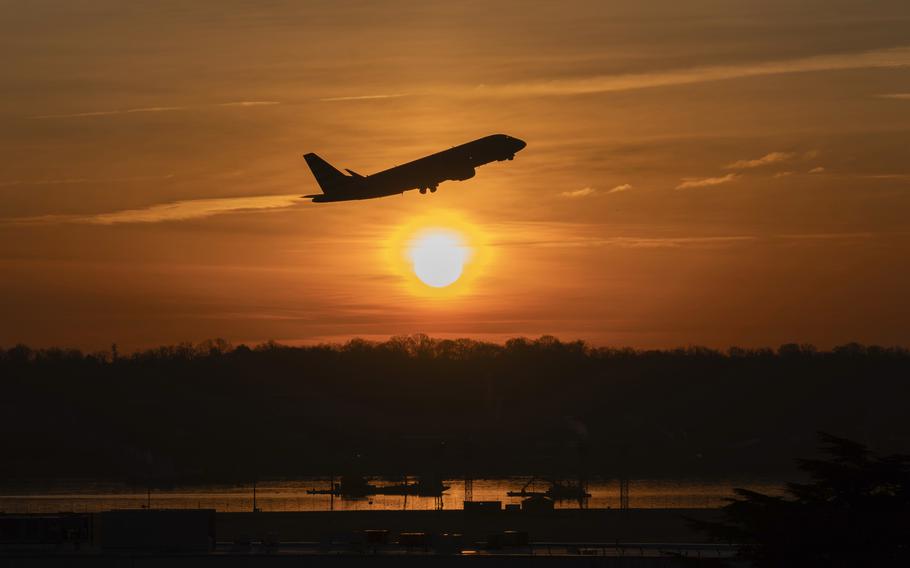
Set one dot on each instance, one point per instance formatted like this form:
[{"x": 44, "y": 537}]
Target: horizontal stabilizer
[{"x": 353, "y": 173}]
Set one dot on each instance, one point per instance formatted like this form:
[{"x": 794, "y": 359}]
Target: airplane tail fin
[{"x": 328, "y": 178}]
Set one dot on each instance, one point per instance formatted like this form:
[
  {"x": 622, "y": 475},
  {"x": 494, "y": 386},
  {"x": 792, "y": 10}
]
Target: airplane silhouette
[{"x": 426, "y": 173}]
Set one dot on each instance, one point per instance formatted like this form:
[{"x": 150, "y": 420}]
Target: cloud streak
[
  {"x": 68, "y": 181},
  {"x": 772, "y": 158},
  {"x": 115, "y": 112},
  {"x": 589, "y": 191},
  {"x": 583, "y": 192},
  {"x": 897, "y": 57},
  {"x": 111, "y": 112},
  {"x": 555, "y": 234},
  {"x": 706, "y": 182},
  {"x": 620, "y": 188},
  {"x": 676, "y": 242},
  {"x": 174, "y": 211},
  {"x": 883, "y": 176},
  {"x": 363, "y": 98},
  {"x": 581, "y": 235},
  {"x": 250, "y": 103}
]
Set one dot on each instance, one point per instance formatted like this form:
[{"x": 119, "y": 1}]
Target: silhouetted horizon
[
  {"x": 222, "y": 345},
  {"x": 211, "y": 411}
]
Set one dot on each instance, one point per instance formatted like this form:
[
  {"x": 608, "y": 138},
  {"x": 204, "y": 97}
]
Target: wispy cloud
[
  {"x": 250, "y": 103},
  {"x": 583, "y": 192},
  {"x": 903, "y": 96},
  {"x": 112, "y": 112},
  {"x": 194, "y": 209},
  {"x": 884, "y": 176},
  {"x": 620, "y": 188},
  {"x": 783, "y": 174},
  {"x": 639, "y": 242},
  {"x": 706, "y": 182},
  {"x": 556, "y": 234},
  {"x": 829, "y": 236},
  {"x": 817, "y": 170},
  {"x": 771, "y": 158},
  {"x": 897, "y": 57},
  {"x": 66, "y": 181},
  {"x": 363, "y": 97},
  {"x": 580, "y": 235},
  {"x": 677, "y": 242},
  {"x": 589, "y": 191},
  {"x": 154, "y": 109},
  {"x": 174, "y": 211}
]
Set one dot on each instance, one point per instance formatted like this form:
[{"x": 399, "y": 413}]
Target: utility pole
[
  {"x": 624, "y": 482},
  {"x": 468, "y": 476},
  {"x": 624, "y": 493}
]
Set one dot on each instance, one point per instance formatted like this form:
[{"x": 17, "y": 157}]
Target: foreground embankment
[
  {"x": 561, "y": 525},
  {"x": 592, "y": 537}
]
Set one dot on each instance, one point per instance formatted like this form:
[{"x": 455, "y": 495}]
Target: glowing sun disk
[{"x": 438, "y": 257}]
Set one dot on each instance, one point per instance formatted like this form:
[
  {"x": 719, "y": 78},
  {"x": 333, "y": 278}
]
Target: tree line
[{"x": 216, "y": 412}]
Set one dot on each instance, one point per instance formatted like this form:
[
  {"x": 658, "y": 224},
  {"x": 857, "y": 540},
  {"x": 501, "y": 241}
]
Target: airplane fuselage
[{"x": 457, "y": 163}]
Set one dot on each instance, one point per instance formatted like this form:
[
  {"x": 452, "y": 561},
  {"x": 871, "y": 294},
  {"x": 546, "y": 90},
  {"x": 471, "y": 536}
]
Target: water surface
[{"x": 290, "y": 495}]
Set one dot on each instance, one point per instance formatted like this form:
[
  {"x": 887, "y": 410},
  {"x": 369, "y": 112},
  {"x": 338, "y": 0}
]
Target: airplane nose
[{"x": 520, "y": 144}]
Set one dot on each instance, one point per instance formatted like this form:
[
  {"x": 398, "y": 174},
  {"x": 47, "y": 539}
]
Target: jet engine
[{"x": 463, "y": 174}]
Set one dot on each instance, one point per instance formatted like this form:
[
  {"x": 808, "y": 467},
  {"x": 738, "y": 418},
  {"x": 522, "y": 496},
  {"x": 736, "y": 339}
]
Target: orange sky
[{"x": 717, "y": 173}]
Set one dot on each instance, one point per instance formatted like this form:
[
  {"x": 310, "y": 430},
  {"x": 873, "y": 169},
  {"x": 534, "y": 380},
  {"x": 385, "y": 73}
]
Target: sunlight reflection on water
[{"x": 291, "y": 496}]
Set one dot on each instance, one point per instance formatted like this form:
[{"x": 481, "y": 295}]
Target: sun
[{"x": 438, "y": 257}]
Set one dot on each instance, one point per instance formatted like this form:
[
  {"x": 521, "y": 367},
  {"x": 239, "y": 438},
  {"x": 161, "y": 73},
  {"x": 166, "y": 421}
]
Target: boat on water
[
  {"x": 350, "y": 486},
  {"x": 557, "y": 491},
  {"x": 566, "y": 492},
  {"x": 354, "y": 486},
  {"x": 425, "y": 487}
]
